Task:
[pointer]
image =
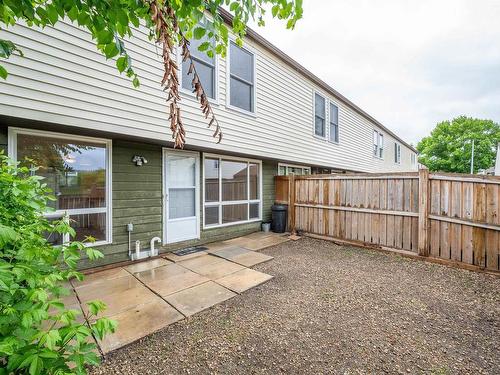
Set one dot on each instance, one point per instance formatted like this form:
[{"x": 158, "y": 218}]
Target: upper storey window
[
  {"x": 319, "y": 115},
  {"x": 334, "y": 123},
  {"x": 241, "y": 78},
  {"x": 397, "y": 153},
  {"x": 205, "y": 67},
  {"x": 378, "y": 144}
]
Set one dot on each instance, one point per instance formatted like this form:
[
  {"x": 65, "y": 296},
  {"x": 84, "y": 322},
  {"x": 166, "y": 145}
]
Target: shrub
[{"x": 38, "y": 334}]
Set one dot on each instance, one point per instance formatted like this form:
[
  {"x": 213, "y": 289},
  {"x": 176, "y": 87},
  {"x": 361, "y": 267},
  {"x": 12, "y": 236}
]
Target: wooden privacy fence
[{"x": 447, "y": 216}]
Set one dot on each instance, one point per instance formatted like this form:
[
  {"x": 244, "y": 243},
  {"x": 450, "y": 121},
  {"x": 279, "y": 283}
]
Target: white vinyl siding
[{"x": 63, "y": 79}]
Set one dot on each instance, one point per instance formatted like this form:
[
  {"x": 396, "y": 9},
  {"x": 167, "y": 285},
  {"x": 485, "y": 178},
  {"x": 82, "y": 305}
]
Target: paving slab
[
  {"x": 138, "y": 322},
  {"x": 218, "y": 269},
  {"x": 99, "y": 277},
  {"x": 170, "y": 279},
  {"x": 200, "y": 261},
  {"x": 230, "y": 252},
  {"x": 147, "y": 265},
  {"x": 179, "y": 258},
  {"x": 107, "y": 287},
  {"x": 243, "y": 280},
  {"x": 251, "y": 259},
  {"x": 214, "y": 246},
  {"x": 198, "y": 298},
  {"x": 264, "y": 242},
  {"x": 124, "y": 300}
]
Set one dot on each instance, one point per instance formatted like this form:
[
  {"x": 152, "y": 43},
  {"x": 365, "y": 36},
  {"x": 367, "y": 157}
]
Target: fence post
[
  {"x": 291, "y": 203},
  {"x": 423, "y": 212}
]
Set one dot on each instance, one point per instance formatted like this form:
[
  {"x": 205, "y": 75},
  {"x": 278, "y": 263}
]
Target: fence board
[{"x": 462, "y": 212}]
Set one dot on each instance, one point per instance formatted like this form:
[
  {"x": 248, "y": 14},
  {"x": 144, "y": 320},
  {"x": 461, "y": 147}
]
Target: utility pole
[{"x": 472, "y": 159}]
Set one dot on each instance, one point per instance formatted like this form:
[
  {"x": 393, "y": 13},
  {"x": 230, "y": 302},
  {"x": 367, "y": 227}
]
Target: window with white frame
[
  {"x": 241, "y": 78},
  {"x": 286, "y": 169},
  {"x": 397, "y": 153},
  {"x": 378, "y": 144},
  {"x": 319, "y": 115},
  {"x": 232, "y": 190},
  {"x": 413, "y": 159},
  {"x": 78, "y": 171},
  {"x": 334, "y": 123},
  {"x": 205, "y": 67}
]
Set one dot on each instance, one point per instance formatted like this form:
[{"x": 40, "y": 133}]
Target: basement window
[
  {"x": 232, "y": 190},
  {"x": 78, "y": 171},
  {"x": 298, "y": 170}
]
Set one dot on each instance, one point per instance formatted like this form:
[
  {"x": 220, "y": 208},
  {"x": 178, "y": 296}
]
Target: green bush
[{"x": 38, "y": 334}]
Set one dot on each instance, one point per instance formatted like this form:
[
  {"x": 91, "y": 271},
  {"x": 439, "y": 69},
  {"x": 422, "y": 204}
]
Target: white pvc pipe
[{"x": 153, "y": 252}]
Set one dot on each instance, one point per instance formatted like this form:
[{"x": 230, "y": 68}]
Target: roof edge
[{"x": 252, "y": 34}]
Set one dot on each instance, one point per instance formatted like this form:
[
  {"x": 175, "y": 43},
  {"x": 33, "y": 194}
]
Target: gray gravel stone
[{"x": 334, "y": 310}]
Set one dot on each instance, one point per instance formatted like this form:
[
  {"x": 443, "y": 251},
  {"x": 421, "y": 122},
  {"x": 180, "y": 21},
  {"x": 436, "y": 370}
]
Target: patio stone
[
  {"x": 99, "y": 277},
  {"x": 147, "y": 265},
  {"x": 199, "y": 261},
  {"x": 265, "y": 242},
  {"x": 251, "y": 259},
  {"x": 198, "y": 298},
  {"x": 138, "y": 322},
  {"x": 230, "y": 252},
  {"x": 170, "y": 279},
  {"x": 101, "y": 289},
  {"x": 179, "y": 258},
  {"x": 123, "y": 300},
  {"x": 243, "y": 280},
  {"x": 215, "y": 246},
  {"x": 218, "y": 269}
]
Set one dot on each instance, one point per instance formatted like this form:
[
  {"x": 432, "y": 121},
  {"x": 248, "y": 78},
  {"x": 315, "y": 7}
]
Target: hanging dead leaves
[{"x": 166, "y": 25}]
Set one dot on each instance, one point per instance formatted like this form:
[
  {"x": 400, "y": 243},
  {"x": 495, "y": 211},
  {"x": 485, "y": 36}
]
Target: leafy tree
[
  {"x": 169, "y": 22},
  {"x": 38, "y": 334},
  {"x": 449, "y": 147}
]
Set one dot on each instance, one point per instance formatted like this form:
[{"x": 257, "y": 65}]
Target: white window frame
[
  {"x": 12, "y": 152},
  {"x": 221, "y": 203},
  {"x": 325, "y": 137},
  {"x": 397, "y": 153},
  {"x": 286, "y": 166},
  {"x": 379, "y": 150},
  {"x": 413, "y": 159},
  {"x": 253, "y": 112},
  {"x": 330, "y": 104},
  {"x": 189, "y": 93}
]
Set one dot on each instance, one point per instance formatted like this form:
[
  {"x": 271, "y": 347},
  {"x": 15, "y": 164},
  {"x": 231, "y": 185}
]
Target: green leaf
[
  {"x": 111, "y": 50},
  {"x": 121, "y": 64},
  {"x": 121, "y": 16},
  {"x": 7, "y": 234},
  {"x": 199, "y": 32},
  {"x": 104, "y": 37},
  {"x": 52, "y": 14},
  {"x": 36, "y": 365},
  {"x": 3, "y": 72},
  {"x": 73, "y": 13}
]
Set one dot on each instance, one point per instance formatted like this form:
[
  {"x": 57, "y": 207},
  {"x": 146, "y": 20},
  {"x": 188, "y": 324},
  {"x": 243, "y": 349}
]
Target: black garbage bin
[{"x": 279, "y": 213}]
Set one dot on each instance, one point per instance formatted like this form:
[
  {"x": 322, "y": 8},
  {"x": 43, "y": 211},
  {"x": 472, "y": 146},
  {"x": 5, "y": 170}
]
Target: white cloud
[{"x": 408, "y": 63}]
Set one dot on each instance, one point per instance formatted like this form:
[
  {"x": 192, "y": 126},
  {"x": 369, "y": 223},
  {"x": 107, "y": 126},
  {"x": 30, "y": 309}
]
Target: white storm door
[{"x": 181, "y": 195}]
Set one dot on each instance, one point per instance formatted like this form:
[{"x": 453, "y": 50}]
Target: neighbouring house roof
[{"x": 253, "y": 35}]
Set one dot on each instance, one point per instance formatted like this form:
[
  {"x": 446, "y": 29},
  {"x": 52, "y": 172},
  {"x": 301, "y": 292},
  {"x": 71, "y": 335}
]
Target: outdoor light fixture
[{"x": 139, "y": 160}]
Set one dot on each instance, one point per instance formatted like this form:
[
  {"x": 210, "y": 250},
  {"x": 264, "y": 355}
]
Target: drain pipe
[
  {"x": 130, "y": 228},
  {"x": 152, "y": 251}
]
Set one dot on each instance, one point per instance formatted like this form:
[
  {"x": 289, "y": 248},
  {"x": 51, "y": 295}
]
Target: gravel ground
[{"x": 337, "y": 310}]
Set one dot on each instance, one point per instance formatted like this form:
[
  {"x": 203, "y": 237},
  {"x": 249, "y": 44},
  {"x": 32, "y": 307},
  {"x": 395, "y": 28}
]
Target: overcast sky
[{"x": 408, "y": 63}]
